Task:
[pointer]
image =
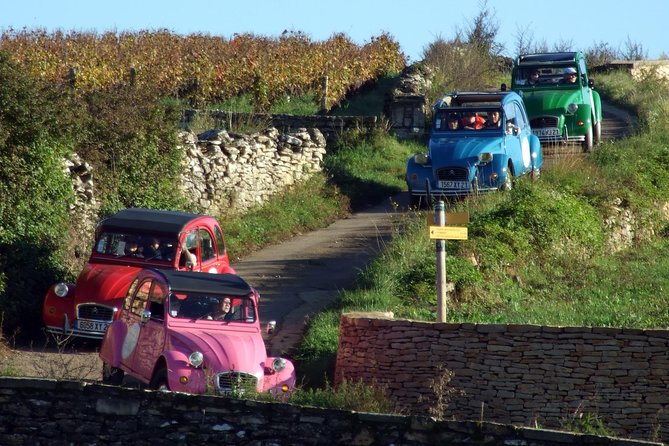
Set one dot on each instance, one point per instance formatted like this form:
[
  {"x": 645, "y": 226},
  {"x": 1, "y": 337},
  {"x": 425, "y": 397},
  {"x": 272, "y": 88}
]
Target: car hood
[
  {"x": 104, "y": 283},
  {"x": 538, "y": 102},
  {"x": 462, "y": 151},
  {"x": 224, "y": 348}
]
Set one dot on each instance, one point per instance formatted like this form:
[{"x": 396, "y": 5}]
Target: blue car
[{"x": 479, "y": 142}]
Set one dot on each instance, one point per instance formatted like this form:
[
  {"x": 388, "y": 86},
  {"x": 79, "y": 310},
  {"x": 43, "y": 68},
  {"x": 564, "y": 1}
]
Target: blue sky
[{"x": 412, "y": 24}]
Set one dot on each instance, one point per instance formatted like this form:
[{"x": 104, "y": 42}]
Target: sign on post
[{"x": 440, "y": 232}]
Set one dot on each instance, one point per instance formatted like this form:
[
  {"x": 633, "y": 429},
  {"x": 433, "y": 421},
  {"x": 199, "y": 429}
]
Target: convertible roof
[
  {"x": 206, "y": 283},
  {"x": 472, "y": 99},
  {"x": 547, "y": 57},
  {"x": 151, "y": 220}
]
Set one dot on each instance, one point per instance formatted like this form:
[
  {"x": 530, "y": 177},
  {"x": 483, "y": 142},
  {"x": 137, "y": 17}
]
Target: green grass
[
  {"x": 369, "y": 167},
  {"x": 307, "y": 206}
]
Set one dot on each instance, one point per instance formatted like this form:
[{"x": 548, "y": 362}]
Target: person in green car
[
  {"x": 534, "y": 78},
  {"x": 569, "y": 75}
]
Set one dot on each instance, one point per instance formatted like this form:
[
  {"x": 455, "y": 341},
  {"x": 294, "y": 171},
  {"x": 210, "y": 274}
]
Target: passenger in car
[
  {"x": 472, "y": 120},
  {"x": 570, "y": 75},
  {"x": 533, "y": 79},
  {"x": 494, "y": 120},
  {"x": 453, "y": 121},
  {"x": 223, "y": 311}
]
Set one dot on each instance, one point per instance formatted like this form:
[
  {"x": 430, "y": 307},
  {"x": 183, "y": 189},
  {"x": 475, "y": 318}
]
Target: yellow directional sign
[
  {"x": 452, "y": 218},
  {"x": 448, "y": 232}
]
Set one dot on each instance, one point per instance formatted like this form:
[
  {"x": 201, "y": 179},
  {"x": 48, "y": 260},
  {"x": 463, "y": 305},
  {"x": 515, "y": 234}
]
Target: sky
[{"x": 412, "y": 24}]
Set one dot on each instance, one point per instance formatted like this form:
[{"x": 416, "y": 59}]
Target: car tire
[
  {"x": 508, "y": 180},
  {"x": 159, "y": 380},
  {"x": 111, "y": 375},
  {"x": 588, "y": 143},
  {"x": 598, "y": 132},
  {"x": 414, "y": 201}
]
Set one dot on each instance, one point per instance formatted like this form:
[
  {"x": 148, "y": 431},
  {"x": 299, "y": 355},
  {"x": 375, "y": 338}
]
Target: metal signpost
[{"x": 440, "y": 232}]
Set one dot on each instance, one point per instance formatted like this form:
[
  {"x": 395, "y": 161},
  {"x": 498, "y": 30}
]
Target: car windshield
[
  {"x": 199, "y": 306},
  {"x": 145, "y": 247},
  {"x": 467, "y": 120},
  {"x": 544, "y": 76}
]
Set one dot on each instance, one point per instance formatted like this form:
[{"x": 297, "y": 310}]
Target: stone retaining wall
[
  {"x": 517, "y": 374},
  {"x": 75, "y": 413},
  {"x": 226, "y": 171}
]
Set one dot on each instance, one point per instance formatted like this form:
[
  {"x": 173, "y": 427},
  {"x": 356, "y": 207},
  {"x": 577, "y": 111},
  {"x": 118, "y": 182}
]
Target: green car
[{"x": 559, "y": 97}]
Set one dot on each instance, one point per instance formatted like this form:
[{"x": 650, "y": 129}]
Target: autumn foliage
[{"x": 205, "y": 68}]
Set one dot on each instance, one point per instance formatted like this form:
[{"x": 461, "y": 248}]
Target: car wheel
[
  {"x": 508, "y": 180},
  {"x": 159, "y": 380},
  {"x": 587, "y": 144},
  {"x": 598, "y": 132},
  {"x": 414, "y": 201},
  {"x": 111, "y": 375}
]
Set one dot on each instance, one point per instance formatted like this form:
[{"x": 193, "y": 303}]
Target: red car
[
  {"x": 193, "y": 332},
  {"x": 128, "y": 241}
]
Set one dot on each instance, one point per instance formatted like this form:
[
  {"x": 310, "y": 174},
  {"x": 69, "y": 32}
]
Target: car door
[
  {"x": 208, "y": 254},
  {"x": 517, "y": 142},
  {"x": 152, "y": 331},
  {"x": 132, "y": 318}
]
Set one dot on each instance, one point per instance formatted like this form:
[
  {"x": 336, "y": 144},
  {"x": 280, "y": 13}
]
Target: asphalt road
[{"x": 298, "y": 278}]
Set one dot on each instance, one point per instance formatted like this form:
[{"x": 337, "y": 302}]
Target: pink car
[{"x": 169, "y": 336}]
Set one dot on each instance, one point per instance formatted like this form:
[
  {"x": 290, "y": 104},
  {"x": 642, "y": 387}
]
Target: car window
[
  {"x": 189, "y": 249},
  {"x": 520, "y": 116},
  {"x": 197, "y": 306},
  {"x": 207, "y": 245},
  {"x": 136, "y": 246},
  {"x": 157, "y": 301},
  {"x": 220, "y": 242},
  {"x": 128, "y": 296},
  {"x": 139, "y": 302}
]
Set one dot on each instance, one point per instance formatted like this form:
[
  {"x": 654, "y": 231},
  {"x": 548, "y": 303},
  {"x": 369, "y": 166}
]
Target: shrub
[{"x": 35, "y": 193}]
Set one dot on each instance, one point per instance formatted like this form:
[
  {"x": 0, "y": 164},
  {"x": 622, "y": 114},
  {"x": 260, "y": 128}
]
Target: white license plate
[
  {"x": 454, "y": 185},
  {"x": 549, "y": 131},
  {"x": 92, "y": 326}
]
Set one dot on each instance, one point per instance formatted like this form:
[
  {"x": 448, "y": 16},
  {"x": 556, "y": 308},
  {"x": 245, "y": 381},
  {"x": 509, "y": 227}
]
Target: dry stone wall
[
  {"x": 517, "y": 374},
  {"x": 226, "y": 171},
  {"x": 49, "y": 412}
]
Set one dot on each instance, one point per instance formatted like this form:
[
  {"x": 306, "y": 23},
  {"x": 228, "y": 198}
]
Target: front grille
[
  {"x": 544, "y": 121},
  {"x": 453, "y": 174},
  {"x": 95, "y": 312},
  {"x": 236, "y": 383}
]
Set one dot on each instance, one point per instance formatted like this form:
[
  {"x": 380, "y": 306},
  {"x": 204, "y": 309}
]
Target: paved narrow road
[{"x": 301, "y": 276}]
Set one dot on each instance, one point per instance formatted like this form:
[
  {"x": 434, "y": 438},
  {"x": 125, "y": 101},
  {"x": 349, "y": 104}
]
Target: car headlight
[
  {"x": 420, "y": 158},
  {"x": 61, "y": 289},
  {"x": 196, "y": 359},
  {"x": 278, "y": 364},
  {"x": 571, "y": 108},
  {"x": 485, "y": 157}
]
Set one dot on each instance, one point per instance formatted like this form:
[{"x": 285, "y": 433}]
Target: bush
[
  {"x": 35, "y": 193},
  {"x": 130, "y": 139}
]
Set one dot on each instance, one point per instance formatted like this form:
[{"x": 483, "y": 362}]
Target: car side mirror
[
  {"x": 146, "y": 315},
  {"x": 503, "y": 86},
  {"x": 591, "y": 83}
]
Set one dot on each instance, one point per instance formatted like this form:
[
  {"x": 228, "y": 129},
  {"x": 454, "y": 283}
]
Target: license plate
[
  {"x": 549, "y": 131},
  {"x": 92, "y": 326},
  {"x": 454, "y": 184}
]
